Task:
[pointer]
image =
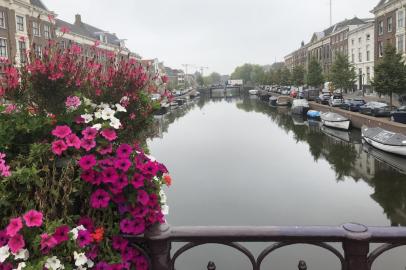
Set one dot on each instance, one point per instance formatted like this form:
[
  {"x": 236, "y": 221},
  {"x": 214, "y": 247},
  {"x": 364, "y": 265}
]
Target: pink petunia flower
[
  {"x": 87, "y": 162},
  {"x": 124, "y": 151},
  {"x": 109, "y": 134},
  {"x": 73, "y": 102},
  {"x": 48, "y": 242},
  {"x": 87, "y": 222},
  {"x": 61, "y": 131},
  {"x": 138, "y": 181},
  {"x": 89, "y": 133},
  {"x": 15, "y": 225},
  {"x": 88, "y": 176},
  {"x": 119, "y": 243},
  {"x": 58, "y": 147},
  {"x": 72, "y": 141},
  {"x": 61, "y": 234},
  {"x": 84, "y": 238},
  {"x": 99, "y": 199},
  {"x": 33, "y": 218},
  {"x": 110, "y": 175},
  {"x": 87, "y": 144},
  {"x": 123, "y": 164},
  {"x": 107, "y": 149},
  {"x": 16, "y": 243},
  {"x": 3, "y": 238},
  {"x": 142, "y": 197}
]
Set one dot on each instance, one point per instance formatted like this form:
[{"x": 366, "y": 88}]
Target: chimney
[{"x": 78, "y": 20}]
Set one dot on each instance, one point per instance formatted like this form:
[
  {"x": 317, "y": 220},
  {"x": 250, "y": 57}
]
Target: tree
[
  {"x": 199, "y": 79},
  {"x": 215, "y": 78},
  {"x": 253, "y": 74},
  {"x": 342, "y": 73},
  {"x": 315, "y": 74},
  {"x": 285, "y": 76},
  {"x": 390, "y": 73},
  {"x": 298, "y": 75}
]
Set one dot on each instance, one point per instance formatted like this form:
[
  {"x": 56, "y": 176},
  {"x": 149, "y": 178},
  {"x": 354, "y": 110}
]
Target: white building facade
[{"x": 361, "y": 51}]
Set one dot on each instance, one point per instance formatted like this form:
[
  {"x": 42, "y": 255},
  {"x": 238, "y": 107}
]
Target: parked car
[
  {"x": 353, "y": 104},
  {"x": 311, "y": 94},
  {"x": 399, "y": 115},
  {"x": 336, "y": 100},
  {"x": 375, "y": 108},
  {"x": 323, "y": 98}
]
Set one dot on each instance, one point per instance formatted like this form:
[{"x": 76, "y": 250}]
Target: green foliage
[
  {"x": 251, "y": 74},
  {"x": 286, "y": 76},
  {"x": 342, "y": 73},
  {"x": 390, "y": 73},
  {"x": 298, "y": 75},
  {"x": 314, "y": 74}
]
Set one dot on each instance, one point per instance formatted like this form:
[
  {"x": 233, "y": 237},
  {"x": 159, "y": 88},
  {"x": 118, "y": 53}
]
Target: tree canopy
[
  {"x": 315, "y": 74},
  {"x": 342, "y": 73},
  {"x": 298, "y": 75}
]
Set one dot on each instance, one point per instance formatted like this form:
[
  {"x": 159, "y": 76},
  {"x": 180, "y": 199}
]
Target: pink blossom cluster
[
  {"x": 4, "y": 168},
  {"x": 72, "y": 102}
]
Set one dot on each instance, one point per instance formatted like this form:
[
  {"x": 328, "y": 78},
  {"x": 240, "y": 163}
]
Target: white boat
[
  {"x": 253, "y": 92},
  {"x": 385, "y": 140},
  {"x": 335, "y": 120},
  {"x": 300, "y": 106}
]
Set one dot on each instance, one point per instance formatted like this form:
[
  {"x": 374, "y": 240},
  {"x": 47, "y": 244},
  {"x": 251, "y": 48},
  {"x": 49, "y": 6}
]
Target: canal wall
[{"x": 358, "y": 120}]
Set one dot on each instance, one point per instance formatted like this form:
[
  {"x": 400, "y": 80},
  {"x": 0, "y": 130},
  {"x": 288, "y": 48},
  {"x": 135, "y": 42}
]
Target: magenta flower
[
  {"x": 142, "y": 197},
  {"x": 48, "y": 242},
  {"x": 89, "y": 133},
  {"x": 84, "y": 238},
  {"x": 93, "y": 253},
  {"x": 126, "y": 226},
  {"x": 124, "y": 151},
  {"x": 129, "y": 255},
  {"x": 16, "y": 243},
  {"x": 33, "y": 218},
  {"x": 138, "y": 181},
  {"x": 79, "y": 120},
  {"x": 87, "y": 222},
  {"x": 138, "y": 226},
  {"x": 141, "y": 263},
  {"x": 3, "y": 238},
  {"x": 102, "y": 266},
  {"x": 109, "y": 175},
  {"x": 87, "y": 144},
  {"x": 61, "y": 234},
  {"x": 149, "y": 169},
  {"x": 119, "y": 243},
  {"x": 61, "y": 131},
  {"x": 87, "y": 162},
  {"x": 58, "y": 147},
  {"x": 72, "y": 141},
  {"x": 88, "y": 176},
  {"x": 107, "y": 149},
  {"x": 15, "y": 225},
  {"x": 109, "y": 134},
  {"x": 99, "y": 199},
  {"x": 123, "y": 164}
]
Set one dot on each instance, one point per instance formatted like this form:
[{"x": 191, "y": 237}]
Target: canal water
[{"x": 237, "y": 161}]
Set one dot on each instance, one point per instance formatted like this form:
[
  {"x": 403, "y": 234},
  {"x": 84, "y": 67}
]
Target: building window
[
  {"x": 38, "y": 51},
  {"x": 352, "y": 56},
  {"x": 35, "y": 29},
  {"x": 2, "y": 19},
  {"x": 359, "y": 55},
  {"x": 3, "y": 48},
  {"x": 368, "y": 75},
  {"x": 368, "y": 37},
  {"x": 380, "y": 28},
  {"x": 390, "y": 24},
  {"x": 368, "y": 53},
  {"x": 401, "y": 44},
  {"x": 47, "y": 31},
  {"x": 380, "y": 48},
  {"x": 401, "y": 18},
  {"x": 359, "y": 40},
  {"x": 20, "y": 23},
  {"x": 352, "y": 41},
  {"x": 22, "y": 47},
  {"x": 103, "y": 38}
]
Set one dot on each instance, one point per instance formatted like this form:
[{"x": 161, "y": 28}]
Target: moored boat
[
  {"x": 335, "y": 120},
  {"x": 253, "y": 92},
  {"x": 313, "y": 114},
  {"x": 283, "y": 101},
  {"x": 385, "y": 140},
  {"x": 300, "y": 106},
  {"x": 341, "y": 135}
]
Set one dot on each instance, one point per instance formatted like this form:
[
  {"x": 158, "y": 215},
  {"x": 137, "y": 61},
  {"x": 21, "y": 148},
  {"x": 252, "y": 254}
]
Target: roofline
[{"x": 78, "y": 35}]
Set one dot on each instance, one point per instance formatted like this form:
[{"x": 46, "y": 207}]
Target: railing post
[
  {"x": 356, "y": 247},
  {"x": 160, "y": 247}
]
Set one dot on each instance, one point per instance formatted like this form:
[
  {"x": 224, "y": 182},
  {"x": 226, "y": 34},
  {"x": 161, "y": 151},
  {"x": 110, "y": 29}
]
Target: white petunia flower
[
  {"x": 87, "y": 117},
  {"x": 80, "y": 258},
  {"x": 124, "y": 99},
  {"x": 98, "y": 115},
  {"x": 80, "y": 267},
  {"x": 23, "y": 254},
  {"x": 120, "y": 108},
  {"x": 4, "y": 253},
  {"x": 107, "y": 114},
  {"x": 75, "y": 231},
  {"x": 104, "y": 106},
  {"x": 97, "y": 126},
  {"x": 165, "y": 209},
  {"x": 163, "y": 197},
  {"x": 53, "y": 263},
  {"x": 115, "y": 123},
  {"x": 20, "y": 266},
  {"x": 87, "y": 101},
  {"x": 90, "y": 263}
]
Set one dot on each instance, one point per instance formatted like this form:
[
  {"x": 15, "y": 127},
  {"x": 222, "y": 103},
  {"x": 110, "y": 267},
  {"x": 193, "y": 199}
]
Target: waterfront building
[{"x": 361, "y": 53}]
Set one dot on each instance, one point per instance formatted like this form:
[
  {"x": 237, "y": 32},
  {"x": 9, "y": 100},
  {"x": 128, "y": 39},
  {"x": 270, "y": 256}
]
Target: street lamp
[{"x": 363, "y": 88}]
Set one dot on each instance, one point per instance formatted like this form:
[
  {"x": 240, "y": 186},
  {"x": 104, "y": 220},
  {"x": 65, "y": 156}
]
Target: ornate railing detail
[{"x": 355, "y": 240}]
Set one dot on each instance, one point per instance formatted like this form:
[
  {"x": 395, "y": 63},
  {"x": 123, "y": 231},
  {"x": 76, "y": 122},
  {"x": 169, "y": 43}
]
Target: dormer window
[{"x": 103, "y": 38}]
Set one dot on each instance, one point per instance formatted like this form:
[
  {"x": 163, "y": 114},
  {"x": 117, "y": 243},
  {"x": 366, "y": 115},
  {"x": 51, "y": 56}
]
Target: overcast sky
[{"x": 219, "y": 34}]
